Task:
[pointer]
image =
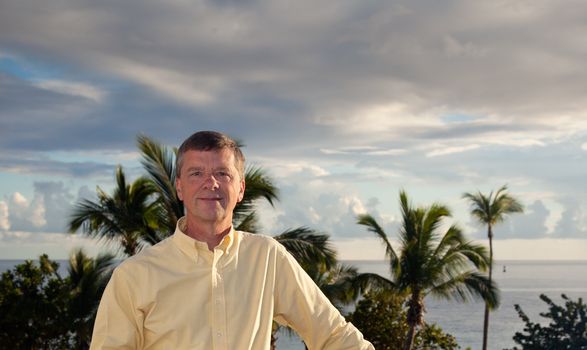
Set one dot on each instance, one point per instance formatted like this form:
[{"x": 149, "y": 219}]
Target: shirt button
[{"x": 218, "y": 334}]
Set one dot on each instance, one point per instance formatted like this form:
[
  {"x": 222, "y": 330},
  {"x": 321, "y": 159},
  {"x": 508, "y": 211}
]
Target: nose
[{"x": 210, "y": 182}]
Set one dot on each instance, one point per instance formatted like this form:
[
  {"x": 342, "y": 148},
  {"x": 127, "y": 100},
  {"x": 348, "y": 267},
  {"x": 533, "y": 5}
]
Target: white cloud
[
  {"x": 19, "y": 200},
  {"x": 451, "y": 150},
  {"x": 584, "y": 146},
  {"x": 47, "y": 211},
  {"x": 364, "y": 151},
  {"x": 37, "y": 212},
  {"x": 303, "y": 169},
  {"x": 4, "y": 219},
  {"x": 25, "y": 214},
  {"x": 185, "y": 87},
  {"x": 73, "y": 88},
  {"x": 380, "y": 118},
  {"x": 573, "y": 220}
]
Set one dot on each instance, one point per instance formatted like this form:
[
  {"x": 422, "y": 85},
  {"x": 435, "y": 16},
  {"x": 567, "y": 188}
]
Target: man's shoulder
[
  {"x": 258, "y": 240},
  {"x": 256, "y": 237},
  {"x": 147, "y": 256}
]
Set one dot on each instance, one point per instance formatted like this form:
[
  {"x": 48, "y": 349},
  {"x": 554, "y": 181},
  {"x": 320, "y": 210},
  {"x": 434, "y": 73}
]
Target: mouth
[{"x": 210, "y": 199}]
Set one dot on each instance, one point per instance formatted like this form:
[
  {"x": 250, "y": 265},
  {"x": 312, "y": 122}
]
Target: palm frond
[
  {"x": 308, "y": 247},
  {"x": 372, "y": 226},
  {"x": 159, "y": 162}
]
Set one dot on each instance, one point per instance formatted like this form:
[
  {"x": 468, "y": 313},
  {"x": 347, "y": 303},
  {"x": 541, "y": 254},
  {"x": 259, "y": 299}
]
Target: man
[{"x": 209, "y": 286}]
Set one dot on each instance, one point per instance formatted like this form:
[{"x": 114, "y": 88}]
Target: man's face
[{"x": 210, "y": 186}]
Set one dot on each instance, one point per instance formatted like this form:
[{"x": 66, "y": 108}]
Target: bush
[
  {"x": 33, "y": 305},
  {"x": 42, "y": 310},
  {"x": 567, "y": 329},
  {"x": 382, "y": 320}
]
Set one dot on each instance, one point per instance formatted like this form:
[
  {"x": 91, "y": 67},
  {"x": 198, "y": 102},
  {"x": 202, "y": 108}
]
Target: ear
[
  {"x": 178, "y": 188},
  {"x": 241, "y": 192}
]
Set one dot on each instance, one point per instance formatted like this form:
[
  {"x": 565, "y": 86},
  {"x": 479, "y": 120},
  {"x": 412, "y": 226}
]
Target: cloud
[
  {"x": 22, "y": 213},
  {"x": 363, "y": 151},
  {"x": 4, "y": 220},
  {"x": 72, "y": 88},
  {"x": 451, "y": 150},
  {"x": 28, "y": 163},
  {"x": 372, "y": 66},
  {"x": 530, "y": 224},
  {"x": 192, "y": 90},
  {"x": 57, "y": 202},
  {"x": 573, "y": 221},
  {"x": 343, "y": 103},
  {"x": 47, "y": 211},
  {"x": 325, "y": 202}
]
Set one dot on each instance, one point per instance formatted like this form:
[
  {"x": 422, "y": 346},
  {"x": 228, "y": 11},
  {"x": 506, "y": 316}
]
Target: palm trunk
[
  {"x": 410, "y": 337},
  {"x": 415, "y": 318},
  {"x": 486, "y": 315}
]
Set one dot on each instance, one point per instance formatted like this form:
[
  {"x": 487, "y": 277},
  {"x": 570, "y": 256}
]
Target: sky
[{"x": 344, "y": 103}]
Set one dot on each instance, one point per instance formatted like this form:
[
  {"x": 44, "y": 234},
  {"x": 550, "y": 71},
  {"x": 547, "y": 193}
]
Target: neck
[{"x": 211, "y": 234}]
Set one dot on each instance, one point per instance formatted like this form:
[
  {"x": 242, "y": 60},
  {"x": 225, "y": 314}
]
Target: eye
[
  {"x": 223, "y": 174},
  {"x": 196, "y": 173}
]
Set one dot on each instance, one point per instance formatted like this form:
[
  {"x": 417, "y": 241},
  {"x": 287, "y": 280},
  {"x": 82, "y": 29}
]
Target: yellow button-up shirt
[{"x": 178, "y": 294}]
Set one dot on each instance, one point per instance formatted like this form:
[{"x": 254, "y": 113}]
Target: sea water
[{"x": 520, "y": 282}]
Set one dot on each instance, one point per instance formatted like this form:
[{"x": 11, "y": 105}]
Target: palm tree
[
  {"x": 444, "y": 265},
  {"x": 88, "y": 278},
  {"x": 490, "y": 210},
  {"x": 129, "y": 216}
]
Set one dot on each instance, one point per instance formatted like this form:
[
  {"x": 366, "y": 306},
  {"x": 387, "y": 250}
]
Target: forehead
[{"x": 213, "y": 158}]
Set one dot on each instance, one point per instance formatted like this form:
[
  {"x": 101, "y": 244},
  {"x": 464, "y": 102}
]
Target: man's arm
[
  {"x": 303, "y": 306},
  {"x": 118, "y": 323}
]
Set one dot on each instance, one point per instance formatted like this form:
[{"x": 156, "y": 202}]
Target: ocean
[{"x": 521, "y": 282}]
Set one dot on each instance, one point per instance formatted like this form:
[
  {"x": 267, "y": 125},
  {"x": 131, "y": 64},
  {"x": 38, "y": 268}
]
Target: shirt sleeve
[
  {"x": 301, "y": 305},
  {"x": 119, "y": 324}
]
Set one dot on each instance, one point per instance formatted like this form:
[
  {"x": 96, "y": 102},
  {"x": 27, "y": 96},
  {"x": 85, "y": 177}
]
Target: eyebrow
[
  {"x": 221, "y": 168},
  {"x": 192, "y": 168}
]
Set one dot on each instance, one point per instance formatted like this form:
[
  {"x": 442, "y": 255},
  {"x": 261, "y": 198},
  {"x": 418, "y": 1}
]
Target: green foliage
[
  {"x": 42, "y": 310},
  {"x": 33, "y": 305},
  {"x": 382, "y": 319},
  {"x": 567, "y": 329},
  {"x": 129, "y": 216},
  {"x": 431, "y": 337},
  {"x": 431, "y": 261}
]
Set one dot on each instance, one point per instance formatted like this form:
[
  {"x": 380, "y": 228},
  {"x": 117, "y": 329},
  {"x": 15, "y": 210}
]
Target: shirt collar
[{"x": 193, "y": 247}]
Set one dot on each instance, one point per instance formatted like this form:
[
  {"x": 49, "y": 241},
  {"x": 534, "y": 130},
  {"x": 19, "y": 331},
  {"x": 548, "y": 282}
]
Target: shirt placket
[{"x": 219, "y": 328}]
